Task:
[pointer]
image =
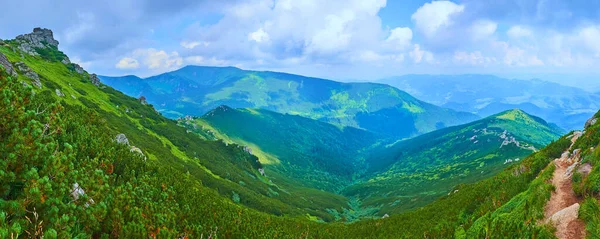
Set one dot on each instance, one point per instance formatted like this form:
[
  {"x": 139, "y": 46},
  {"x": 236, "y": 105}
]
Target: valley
[{"x": 230, "y": 153}]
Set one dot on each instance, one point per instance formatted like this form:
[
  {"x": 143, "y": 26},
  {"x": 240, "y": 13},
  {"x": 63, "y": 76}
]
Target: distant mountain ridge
[
  {"x": 195, "y": 90},
  {"x": 485, "y": 95}
]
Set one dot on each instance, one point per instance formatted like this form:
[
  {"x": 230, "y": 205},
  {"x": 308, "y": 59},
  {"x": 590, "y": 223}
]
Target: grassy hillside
[
  {"x": 64, "y": 175},
  {"x": 376, "y": 176},
  {"x": 414, "y": 172},
  {"x": 313, "y": 153},
  {"x": 226, "y": 168},
  {"x": 195, "y": 90}
]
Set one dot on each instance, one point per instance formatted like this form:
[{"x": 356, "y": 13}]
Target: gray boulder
[
  {"x": 7, "y": 65},
  {"x": 29, "y": 73},
  {"x": 122, "y": 139},
  {"x": 59, "y": 93}
]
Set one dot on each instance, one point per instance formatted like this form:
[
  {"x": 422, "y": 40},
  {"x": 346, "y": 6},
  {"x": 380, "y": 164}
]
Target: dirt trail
[{"x": 562, "y": 210}]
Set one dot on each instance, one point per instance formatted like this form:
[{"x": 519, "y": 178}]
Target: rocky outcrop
[
  {"x": 122, "y": 139},
  {"x": 95, "y": 80},
  {"x": 142, "y": 100},
  {"x": 39, "y": 38},
  {"x": 78, "y": 68},
  {"x": 7, "y": 66},
  {"x": 590, "y": 122},
  {"x": 29, "y": 73}
]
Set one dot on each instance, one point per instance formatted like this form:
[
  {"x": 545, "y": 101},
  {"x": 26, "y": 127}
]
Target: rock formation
[
  {"x": 95, "y": 80},
  {"x": 7, "y": 65},
  {"x": 39, "y": 38},
  {"x": 122, "y": 139},
  {"x": 29, "y": 73}
]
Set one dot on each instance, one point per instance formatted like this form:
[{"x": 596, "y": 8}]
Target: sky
[{"x": 348, "y": 40}]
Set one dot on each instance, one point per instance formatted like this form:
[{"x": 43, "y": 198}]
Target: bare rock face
[
  {"x": 95, "y": 80},
  {"x": 39, "y": 38},
  {"x": 78, "y": 69},
  {"x": 7, "y": 65},
  {"x": 29, "y": 73},
  {"x": 122, "y": 139},
  {"x": 59, "y": 93},
  {"x": 142, "y": 100},
  {"x": 590, "y": 122}
]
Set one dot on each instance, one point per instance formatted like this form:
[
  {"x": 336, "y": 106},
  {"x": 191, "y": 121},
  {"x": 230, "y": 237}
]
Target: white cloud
[
  {"x": 516, "y": 32},
  {"x": 432, "y": 17},
  {"x": 419, "y": 55},
  {"x": 482, "y": 29},
  {"x": 151, "y": 58},
  {"x": 400, "y": 37},
  {"x": 127, "y": 63},
  {"x": 259, "y": 36},
  {"x": 472, "y": 58},
  {"x": 590, "y": 37},
  {"x": 516, "y": 56},
  {"x": 192, "y": 44}
]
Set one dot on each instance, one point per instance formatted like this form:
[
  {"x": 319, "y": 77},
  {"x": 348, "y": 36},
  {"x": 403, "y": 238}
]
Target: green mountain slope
[
  {"x": 64, "y": 175},
  {"x": 384, "y": 178},
  {"x": 227, "y": 169},
  {"x": 414, "y": 172},
  {"x": 313, "y": 153},
  {"x": 195, "y": 90}
]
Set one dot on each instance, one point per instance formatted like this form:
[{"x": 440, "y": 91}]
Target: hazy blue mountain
[
  {"x": 195, "y": 90},
  {"x": 485, "y": 95}
]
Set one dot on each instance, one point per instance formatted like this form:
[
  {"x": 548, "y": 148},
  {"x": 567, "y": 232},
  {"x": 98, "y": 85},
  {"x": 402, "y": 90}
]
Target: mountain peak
[{"x": 513, "y": 114}]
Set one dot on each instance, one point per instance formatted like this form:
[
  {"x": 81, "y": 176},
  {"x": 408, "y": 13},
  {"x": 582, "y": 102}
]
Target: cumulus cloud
[
  {"x": 482, "y": 29},
  {"x": 400, "y": 37},
  {"x": 419, "y": 55},
  {"x": 259, "y": 36},
  {"x": 433, "y": 17},
  {"x": 516, "y": 32},
  {"x": 127, "y": 63}
]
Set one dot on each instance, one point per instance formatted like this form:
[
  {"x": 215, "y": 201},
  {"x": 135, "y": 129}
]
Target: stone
[
  {"x": 78, "y": 68},
  {"x": 137, "y": 150},
  {"x": 39, "y": 38},
  {"x": 590, "y": 122},
  {"x": 122, "y": 139},
  {"x": 385, "y": 216},
  {"x": 95, "y": 80},
  {"x": 66, "y": 61},
  {"x": 7, "y": 66},
  {"x": 59, "y": 93},
  {"x": 27, "y": 72},
  {"x": 142, "y": 100}
]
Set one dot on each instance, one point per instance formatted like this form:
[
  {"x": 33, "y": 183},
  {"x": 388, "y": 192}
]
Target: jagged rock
[
  {"x": 78, "y": 68},
  {"x": 142, "y": 100},
  {"x": 66, "y": 61},
  {"x": 590, "y": 122},
  {"x": 569, "y": 170},
  {"x": 385, "y": 216},
  {"x": 520, "y": 170},
  {"x": 77, "y": 191},
  {"x": 122, "y": 139},
  {"x": 39, "y": 38},
  {"x": 248, "y": 149},
  {"x": 95, "y": 80},
  {"x": 261, "y": 171},
  {"x": 29, "y": 73},
  {"x": 566, "y": 215},
  {"x": 60, "y": 94},
  {"x": 7, "y": 65}
]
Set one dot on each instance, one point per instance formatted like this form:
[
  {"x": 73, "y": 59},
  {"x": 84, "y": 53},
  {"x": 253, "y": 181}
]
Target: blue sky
[{"x": 339, "y": 39}]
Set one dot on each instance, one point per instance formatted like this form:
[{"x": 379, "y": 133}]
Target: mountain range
[
  {"x": 264, "y": 157},
  {"x": 485, "y": 95},
  {"x": 195, "y": 90}
]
